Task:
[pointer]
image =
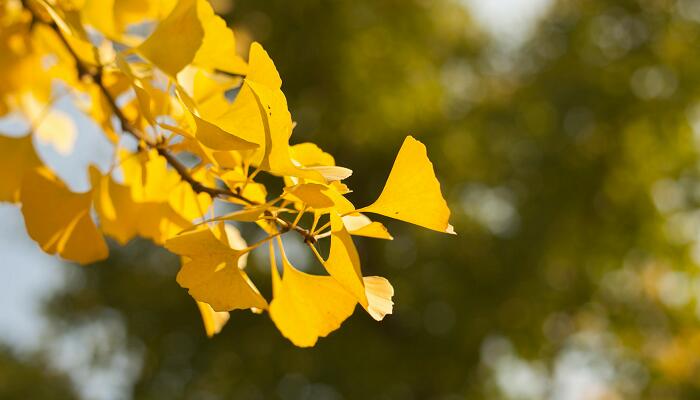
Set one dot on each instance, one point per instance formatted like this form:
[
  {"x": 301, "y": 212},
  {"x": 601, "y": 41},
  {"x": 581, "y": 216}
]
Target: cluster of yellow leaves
[{"x": 205, "y": 124}]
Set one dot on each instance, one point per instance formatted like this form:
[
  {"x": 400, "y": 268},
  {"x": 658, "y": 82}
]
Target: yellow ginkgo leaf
[
  {"x": 122, "y": 217},
  {"x": 151, "y": 101},
  {"x": 192, "y": 33},
  {"x": 100, "y": 111},
  {"x": 235, "y": 240},
  {"x": 208, "y": 133},
  {"x": 17, "y": 157},
  {"x": 176, "y": 39},
  {"x": 343, "y": 262},
  {"x": 51, "y": 126},
  {"x": 412, "y": 192},
  {"x": 100, "y": 15},
  {"x": 374, "y": 293},
  {"x": 310, "y": 194},
  {"x": 261, "y": 68},
  {"x": 216, "y": 138},
  {"x": 119, "y": 215},
  {"x": 188, "y": 203},
  {"x": 379, "y": 293},
  {"x": 277, "y": 124},
  {"x": 67, "y": 20},
  {"x": 260, "y": 115},
  {"x": 153, "y": 202},
  {"x": 148, "y": 175},
  {"x": 331, "y": 173},
  {"x": 218, "y": 49},
  {"x": 255, "y": 192},
  {"x": 211, "y": 271},
  {"x": 309, "y": 155},
  {"x": 237, "y": 181},
  {"x": 319, "y": 197},
  {"x": 306, "y": 307},
  {"x": 359, "y": 225},
  {"x": 208, "y": 90},
  {"x": 65, "y": 227},
  {"x": 213, "y": 321},
  {"x": 112, "y": 17},
  {"x": 243, "y": 119},
  {"x": 59, "y": 130}
]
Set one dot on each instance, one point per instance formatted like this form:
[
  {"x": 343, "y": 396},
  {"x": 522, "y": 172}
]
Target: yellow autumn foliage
[{"x": 169, "y": 88}]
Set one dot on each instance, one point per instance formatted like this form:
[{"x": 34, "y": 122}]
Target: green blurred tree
[{"x": 26, "y": 377}]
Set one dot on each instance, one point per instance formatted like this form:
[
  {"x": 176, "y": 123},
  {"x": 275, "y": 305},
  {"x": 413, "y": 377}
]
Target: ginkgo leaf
[
  {"x": 208, "y": 90},
  {"x": 68, "y": 22},
  {"x": 51, "y": 126},
  {"x": 244, "y": 120},
  {"x": 65, "y": 228},
  {"x": 309, "y": 193},
  {"x": 100, "y": 111},
  {"x": 153, "y": 202},
  {"x": 211, "y": 271},
  {"x": 176, "y": 39},
  {"x": 237, "y": 181},
  {"x": 100, "y": 15},
  {"x": 261, "y": 68},
  {"x": 122, "y": 217},
  {"x": 236, "y": 241},
  {"x": 216, "y": 138},
  {"x": 218, "y": 49},
  {"x": 213, "y": 321},
  {"x": 260, "y": 115},
  {"x": 188, "y": 203},
  {"x": 320, "y": 197},
  {"x": 148, "y": 175},
  {"x": 331, "y": 173},
  {"x": 412, "y": 193},
  {"x": 379, "y": 293},
  {"x": 119, "y": 215},
  {"x": 209, "y": 134},
  {"x": 309, "y": 155},
  {"x": 312, "y": 158},
  {"x": 58, "y": 130},
  {"x": 112, "y": 17},
  {"x": 343, "y": 262},
  {"x": 306, "y": 307},
  {"x": 17, "y": 157},
  {"x": 277, "y": 123},
  {"x": 152, "y": 102},
  {"x": 373, "y": 293},
  {"x": 192, "y": 33},
  {"x": 340, "y": 188},
  {"x": 359, "y": 225}
]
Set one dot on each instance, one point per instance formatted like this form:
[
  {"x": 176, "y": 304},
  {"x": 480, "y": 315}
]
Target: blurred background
[{"x": 566, "y": 136}]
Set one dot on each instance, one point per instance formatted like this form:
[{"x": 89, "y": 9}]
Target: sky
[{"x": 509, "y": 21}]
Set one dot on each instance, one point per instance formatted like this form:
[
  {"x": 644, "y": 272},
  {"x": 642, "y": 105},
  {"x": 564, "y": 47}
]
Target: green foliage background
[{"x": 571, "y": 167}]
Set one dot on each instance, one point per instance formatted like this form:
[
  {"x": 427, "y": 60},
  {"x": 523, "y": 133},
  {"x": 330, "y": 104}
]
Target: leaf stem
[
  {"x": 324, "y": 226},
  {"x": 263, "y": 241},
  {"x": 317, "y": 254}
]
